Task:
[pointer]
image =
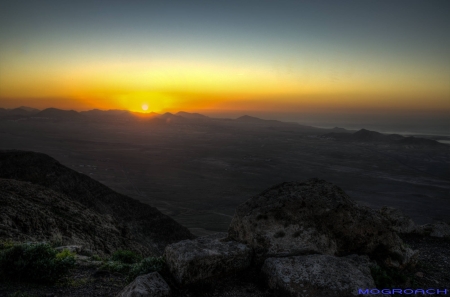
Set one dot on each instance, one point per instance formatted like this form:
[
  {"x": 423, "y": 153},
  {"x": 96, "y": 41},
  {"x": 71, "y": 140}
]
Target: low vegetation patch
[
  {"x": 387, "y": 277},
  {"x": 147, "y": 265},
  {"x": 6, "y": 244},
  {"x": 38, "y": 263},
  {"x": 96, "y": 258},
  {"x": 124, "y": 262},
  {"x": 126, "y": 257}
]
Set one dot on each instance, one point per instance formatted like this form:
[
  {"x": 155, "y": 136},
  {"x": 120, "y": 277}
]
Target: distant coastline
[{"x": 439, "y": 135}]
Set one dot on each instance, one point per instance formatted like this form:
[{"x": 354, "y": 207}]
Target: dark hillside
[
  {"x": 146, "y": 224},
  {"x": 32, "y": 213}
]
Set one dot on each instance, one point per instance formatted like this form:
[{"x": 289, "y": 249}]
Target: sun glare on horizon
[{"x": 288, "y": 57}]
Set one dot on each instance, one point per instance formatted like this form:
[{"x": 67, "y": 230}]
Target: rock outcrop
[
  {"x": 148, "y": 285},
  {"x": 297, "y": 218},
  {"x": 438, "y": 229},
  {"x": 144, "y": 224},
  {"x": 404, "y": 225},
  {"x": 397, "y": 220},
  {"x": 318, "y": 275},
  {"x": 191, "y": 261}
]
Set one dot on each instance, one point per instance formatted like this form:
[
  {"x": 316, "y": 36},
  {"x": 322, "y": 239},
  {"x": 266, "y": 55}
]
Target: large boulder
[
  {"x": 191, "y": 261},
  {"x": 318, "y": 275},
  {"x": 397, "y": 220},
  {"x": 148, "y": 285},
  {"x": 438, "y": 229},
  {"x": 297, "y": 218}
]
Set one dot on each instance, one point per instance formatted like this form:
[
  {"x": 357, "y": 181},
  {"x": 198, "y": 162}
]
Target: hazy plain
[{"x": 199, "y": 171}]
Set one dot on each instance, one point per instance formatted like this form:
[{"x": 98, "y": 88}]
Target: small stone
[
  {"x": 148, "y": 285},
  {"x": 419, "y": 274}
]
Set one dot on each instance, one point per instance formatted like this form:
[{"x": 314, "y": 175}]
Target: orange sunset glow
[{"x": 341, "y": 63}]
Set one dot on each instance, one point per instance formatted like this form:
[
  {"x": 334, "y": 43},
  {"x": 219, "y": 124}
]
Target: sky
[{"x": 267, "y": 57}]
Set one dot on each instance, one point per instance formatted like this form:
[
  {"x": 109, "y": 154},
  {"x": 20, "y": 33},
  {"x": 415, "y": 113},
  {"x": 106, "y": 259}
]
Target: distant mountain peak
[
  {"x": 59, "y": 114},
  {"x": 189, "y": 115},
  {"x": 248, "y": 118},
  {"x": 365, "y": 132},
  {"x": 53, "y": 109},
  {"x": 361, "y": 131},
  {"x": 29, "y": 109}
]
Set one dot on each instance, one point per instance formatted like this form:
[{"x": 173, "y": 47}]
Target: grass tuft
[{"x": 38, "y": 263}]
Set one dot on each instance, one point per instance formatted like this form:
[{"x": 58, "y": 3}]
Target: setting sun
[{"x": 144, "y": 107}]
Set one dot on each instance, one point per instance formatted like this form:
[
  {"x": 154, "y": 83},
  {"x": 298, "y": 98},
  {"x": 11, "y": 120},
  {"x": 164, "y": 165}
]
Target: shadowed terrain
[
  {"x": 86, "y": 211},
  {"x": 198, "y": 169}
]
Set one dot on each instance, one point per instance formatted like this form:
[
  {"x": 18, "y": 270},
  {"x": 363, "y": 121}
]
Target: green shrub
[
  {"x": 126, "y": 257},
  {"x": 116, "y": 266},
  {"x": 64, "y": 254},
  {"x": 34, "y": 263},
  {"x": 6, "y": 244},
  {"x": 387, "y": 277},
  {"x": 147, "y": 265},
  {"x": 96, "y": 258}
]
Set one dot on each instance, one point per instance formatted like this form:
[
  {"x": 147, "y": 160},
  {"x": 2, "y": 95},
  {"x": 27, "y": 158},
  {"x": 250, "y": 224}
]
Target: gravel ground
[{"x": 433, "y": 268}]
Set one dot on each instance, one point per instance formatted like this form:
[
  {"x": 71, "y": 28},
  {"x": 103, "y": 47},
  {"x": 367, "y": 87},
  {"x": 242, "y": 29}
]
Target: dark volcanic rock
[
  {"x": 149, "y": 285},
  {"x": 397, "y": 220},
  {"x": 437, "y": 229},
  {"x": 298, "y": 218},
  {"x": 191, "y": 261},
  {"x": 318, "y": 275},
  {"x": 143, "y": 223}
]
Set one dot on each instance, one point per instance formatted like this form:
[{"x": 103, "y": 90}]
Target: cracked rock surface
[{"x": 297, "y": 218}]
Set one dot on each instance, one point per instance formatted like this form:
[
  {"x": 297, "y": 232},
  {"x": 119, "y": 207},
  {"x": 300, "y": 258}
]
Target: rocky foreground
[{"x": 294, "y": 239}]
